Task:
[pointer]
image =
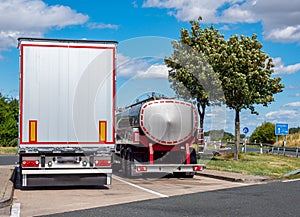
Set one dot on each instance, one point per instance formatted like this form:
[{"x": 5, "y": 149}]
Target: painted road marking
[
  {"x": 292, "y": 180},
  {"x": 15, "y": 210},
  {"x": 139, "y": 187}
]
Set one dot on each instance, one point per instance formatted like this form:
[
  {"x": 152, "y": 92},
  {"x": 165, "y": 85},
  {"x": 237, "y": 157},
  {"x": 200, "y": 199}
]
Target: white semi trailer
[{"x": 66, "y": 122}]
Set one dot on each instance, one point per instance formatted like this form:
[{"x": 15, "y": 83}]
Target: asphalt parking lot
[{"x": 43, "y": 201}]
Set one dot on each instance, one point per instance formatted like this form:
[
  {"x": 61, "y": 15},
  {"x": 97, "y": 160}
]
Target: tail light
[
  {"x": 198, "y": 168},
  {"x": 30, "y": 163},
  {"x": 141, "y": 168},
  {"x": 102, "y": 163}
]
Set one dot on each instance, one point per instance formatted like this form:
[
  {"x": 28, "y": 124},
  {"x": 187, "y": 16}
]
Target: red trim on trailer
[
  {"x": 114, "y": 94},
  {"x": 151, "y": 153},
  {"x": 21, "y": 95},
  {"x": 187, "y": 152},
  {"x": 158, "y": 147},
  {"x": 67, "y": 46}
]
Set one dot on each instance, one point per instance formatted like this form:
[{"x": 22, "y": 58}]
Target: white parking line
[
  {"x": 15, "y": 210},
  {"x": 139, "y": 187},
  {"x": 292, "y": 180}
]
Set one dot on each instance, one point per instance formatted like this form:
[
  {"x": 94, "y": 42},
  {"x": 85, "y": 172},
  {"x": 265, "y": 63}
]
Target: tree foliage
[
  {"x": 264, "y": 134},
  {"x": 190, "y": 74},
  {"x": 8, "y": 121},
  {"x": 216, "y": 135},
  {"x": 239, "y": 64},
  {"x": 294, "y": 130},
  {"x": 245, "y": 71}
]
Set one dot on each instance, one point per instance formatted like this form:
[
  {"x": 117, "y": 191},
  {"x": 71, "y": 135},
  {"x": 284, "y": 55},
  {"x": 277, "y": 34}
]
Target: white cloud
[
  {"x": 190, "y": 9},
  {"x": 158, "y": 71},
  {"x": 282, "y": 115},
  {"x": 280, "y": 19},
  {"x": 225, "y": 28},
  {"x": 286, "y": 33},
  {"x": 280, "y": 68},
  {"x": 239, "y": 13},
  {"x": 32, "y": 18},
  {"x": 102, "y": 26},
  {"x": 141, "y": 68},
  {"x": 128, "y": 67},
  {"x": 292, "y": 104}
]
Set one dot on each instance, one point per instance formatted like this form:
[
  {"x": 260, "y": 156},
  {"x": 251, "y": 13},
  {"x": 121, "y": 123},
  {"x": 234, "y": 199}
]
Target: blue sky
[{"x": 144, "y": 30}]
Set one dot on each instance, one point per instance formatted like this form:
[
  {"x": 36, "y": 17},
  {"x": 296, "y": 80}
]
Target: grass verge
[
  {"x": 8, "y": 150},
  {"x": 275, "y": 166}
]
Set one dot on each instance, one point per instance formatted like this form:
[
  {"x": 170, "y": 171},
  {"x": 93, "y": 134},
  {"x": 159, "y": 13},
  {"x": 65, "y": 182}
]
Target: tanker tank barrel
[{"x": 164, "y": 121}]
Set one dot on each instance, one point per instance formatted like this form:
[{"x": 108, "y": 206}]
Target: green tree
[
  {"x": 190, "y": 74},
  {"x": 264, "y": 133},
  {"x": 245, "y": 71},
  {"x": 227, "y": 137},
  {"x": 294, "y": 130},
  {"x": 8, "y": 121},
  {"x": 239, "y": 63}
]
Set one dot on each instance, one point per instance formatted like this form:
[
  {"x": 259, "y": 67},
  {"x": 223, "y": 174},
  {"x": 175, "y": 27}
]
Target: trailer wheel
[
  {"x": 17, "y": 178},
  {"x": 128, "y": 163}
]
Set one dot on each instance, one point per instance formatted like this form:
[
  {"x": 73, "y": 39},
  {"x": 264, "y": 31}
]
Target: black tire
[
  {"x": 17, "y": 178},
  {"x": 116, "y": 166},
  {"x": 123, "y": 162},
  {"x": 193, "y": 157},
  {"x": 128, "y": 162}
]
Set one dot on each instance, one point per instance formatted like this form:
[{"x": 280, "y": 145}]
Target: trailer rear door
[{"x": 67, "y": 92}]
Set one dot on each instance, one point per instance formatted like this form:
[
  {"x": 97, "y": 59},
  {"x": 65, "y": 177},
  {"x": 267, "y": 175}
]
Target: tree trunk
[
  {"x": 201, "y": 111},
  {"x": 237, "y": 135}
]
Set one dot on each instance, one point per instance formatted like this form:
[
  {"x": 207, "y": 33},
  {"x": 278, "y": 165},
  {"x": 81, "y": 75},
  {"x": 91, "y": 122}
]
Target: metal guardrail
[{"x": 271, "y": 149}]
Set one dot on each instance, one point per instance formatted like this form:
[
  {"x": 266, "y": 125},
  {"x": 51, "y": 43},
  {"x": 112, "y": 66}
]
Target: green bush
[
  {"x": 9, "y": 108},
  {"x": 264, "y": 133}
]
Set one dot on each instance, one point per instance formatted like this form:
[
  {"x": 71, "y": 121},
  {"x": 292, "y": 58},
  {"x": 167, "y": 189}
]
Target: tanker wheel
[
  {"x": 117, "y": 163},
  {"x": 123, "y": 162},
  {"x": 128, "y": 162},
  {"x": 193, "y": 157}
]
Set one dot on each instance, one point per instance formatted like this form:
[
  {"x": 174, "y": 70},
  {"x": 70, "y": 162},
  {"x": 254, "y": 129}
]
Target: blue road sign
[
  {"x": 281, "y": 129},
  {"x": 245, "y": 130}
]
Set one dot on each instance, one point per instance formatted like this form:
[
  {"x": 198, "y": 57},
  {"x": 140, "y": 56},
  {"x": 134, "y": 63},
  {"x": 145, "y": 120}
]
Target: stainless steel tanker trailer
[{"x": 157, "y": 135}]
